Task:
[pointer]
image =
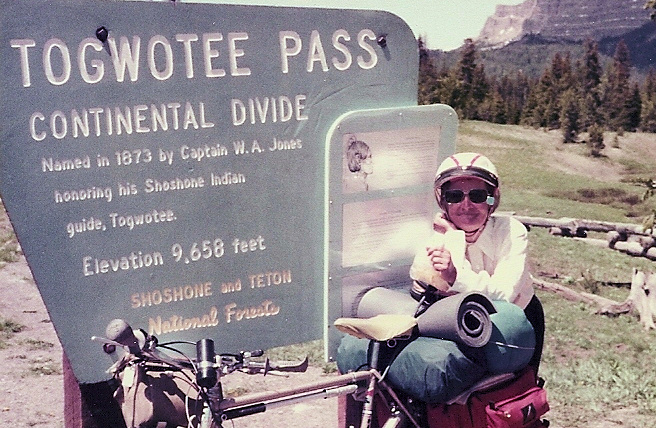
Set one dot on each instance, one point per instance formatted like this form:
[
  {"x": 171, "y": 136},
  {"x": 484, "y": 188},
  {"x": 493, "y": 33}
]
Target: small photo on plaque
[{"x": 389, "y": 159}]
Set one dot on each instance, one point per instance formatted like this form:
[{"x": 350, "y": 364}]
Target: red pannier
[{"x": 516, "y": 403}]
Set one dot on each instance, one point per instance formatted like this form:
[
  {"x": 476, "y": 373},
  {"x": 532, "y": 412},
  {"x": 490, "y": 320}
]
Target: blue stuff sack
[
  {"x": 428, "y": 369},
  {"x": 512, "y": 343}
]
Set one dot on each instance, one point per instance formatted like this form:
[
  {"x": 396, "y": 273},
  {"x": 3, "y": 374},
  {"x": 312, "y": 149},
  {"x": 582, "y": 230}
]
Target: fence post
[{"x": 88, "y": 405}]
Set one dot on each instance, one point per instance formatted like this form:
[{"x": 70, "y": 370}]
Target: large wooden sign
[{"x": 164, "y": 162}]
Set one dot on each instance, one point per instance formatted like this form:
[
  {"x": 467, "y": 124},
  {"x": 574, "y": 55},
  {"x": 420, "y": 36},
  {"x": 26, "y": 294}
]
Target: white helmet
[{"x": 472, "y": 165}]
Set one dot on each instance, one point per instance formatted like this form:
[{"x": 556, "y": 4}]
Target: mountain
[
  {"x": 563, "y": 21},
  {"x": 526, "y": 36}
]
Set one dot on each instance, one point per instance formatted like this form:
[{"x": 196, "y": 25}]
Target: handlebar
[
  {"x": 208, "y": 366},
  {"x": 120, "y": 332},
  {"x": 200, "y": 401}
]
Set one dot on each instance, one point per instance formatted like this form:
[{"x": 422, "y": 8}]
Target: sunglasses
[{"x": 477, "y": 196}]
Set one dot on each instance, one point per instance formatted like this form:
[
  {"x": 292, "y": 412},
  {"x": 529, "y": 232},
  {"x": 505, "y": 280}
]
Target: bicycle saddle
[{"x": 380, "y": 327}]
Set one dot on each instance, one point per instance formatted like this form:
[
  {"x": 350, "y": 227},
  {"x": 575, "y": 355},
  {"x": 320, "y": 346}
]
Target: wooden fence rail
[{"x": 628, "y": 238}]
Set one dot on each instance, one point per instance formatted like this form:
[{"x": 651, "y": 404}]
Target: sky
[{"x": 443, "y": 24}]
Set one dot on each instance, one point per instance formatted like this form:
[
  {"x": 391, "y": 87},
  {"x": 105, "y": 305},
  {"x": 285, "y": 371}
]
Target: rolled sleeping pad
[{"x": 463, "y": 318}]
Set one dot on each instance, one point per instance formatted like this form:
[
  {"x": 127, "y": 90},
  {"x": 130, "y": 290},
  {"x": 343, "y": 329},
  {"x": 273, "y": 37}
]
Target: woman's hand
[
  {"x": 440, "y": 259},
  {"x": 442, "y": 225}
]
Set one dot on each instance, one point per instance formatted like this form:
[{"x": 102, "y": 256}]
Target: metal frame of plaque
[{"x": 380, "y": 200}]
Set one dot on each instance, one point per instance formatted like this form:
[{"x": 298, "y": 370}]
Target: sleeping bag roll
[
  {"x": 428, "y": 369},
  {"x": 512, "y": 341}
]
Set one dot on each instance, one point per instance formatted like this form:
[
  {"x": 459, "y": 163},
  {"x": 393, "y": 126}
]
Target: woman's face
[
  {"x": 467, "y": 215},
  {"x": 366, "y": 165}
]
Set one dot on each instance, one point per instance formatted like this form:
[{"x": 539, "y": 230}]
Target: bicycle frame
[{"x": 231, "y": 408}]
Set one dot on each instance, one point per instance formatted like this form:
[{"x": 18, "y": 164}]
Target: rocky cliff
[{"x": 563, "y": 20}]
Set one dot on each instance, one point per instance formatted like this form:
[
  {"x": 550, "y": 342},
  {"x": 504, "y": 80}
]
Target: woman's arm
[{"x": 504, "y": 272}]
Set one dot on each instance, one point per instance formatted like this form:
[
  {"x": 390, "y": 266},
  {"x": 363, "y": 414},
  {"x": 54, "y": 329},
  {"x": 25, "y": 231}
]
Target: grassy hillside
[
  {"x": 599, "y": 370},
  {"x": 543, "y": 177}
]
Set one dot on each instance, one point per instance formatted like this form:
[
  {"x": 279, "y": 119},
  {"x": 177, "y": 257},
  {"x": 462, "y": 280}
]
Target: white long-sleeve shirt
[{"x": 495, "y": 265}]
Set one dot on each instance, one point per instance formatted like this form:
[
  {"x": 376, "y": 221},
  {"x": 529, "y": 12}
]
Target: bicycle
[
  {"x": 196, "y": 400},
  {"x": 188, "y": 392}
]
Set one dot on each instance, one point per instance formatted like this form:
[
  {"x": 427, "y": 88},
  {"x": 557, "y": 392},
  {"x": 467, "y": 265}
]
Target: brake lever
[
  {"x": 106, "y": 341},
  {"x": 290, "y": 366},
  {"x": 267, "y": 366}
]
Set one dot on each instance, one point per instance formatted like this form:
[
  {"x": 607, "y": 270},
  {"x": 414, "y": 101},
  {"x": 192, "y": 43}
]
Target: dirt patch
[
  {"x": 631, "y": 154},
  {"x": 573, "y": 163},
  {"x": 31, "y": 384},
  {"x": 31, "y": 380}
]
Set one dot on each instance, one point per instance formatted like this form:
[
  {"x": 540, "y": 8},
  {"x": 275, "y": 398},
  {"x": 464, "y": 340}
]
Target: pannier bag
[
  {"x": 523, "y": 410},
  {"x": 518, "y": 403}
]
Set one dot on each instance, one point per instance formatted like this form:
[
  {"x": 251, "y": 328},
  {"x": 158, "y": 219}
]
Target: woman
[
  {"x": 473, "y": 251},
  {"x": 358, "y": 157}
]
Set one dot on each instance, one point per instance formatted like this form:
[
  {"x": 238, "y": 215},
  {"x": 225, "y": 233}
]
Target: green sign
[
  {"x": 164, "y": 162},
  {"x": 379, "y": 195}
]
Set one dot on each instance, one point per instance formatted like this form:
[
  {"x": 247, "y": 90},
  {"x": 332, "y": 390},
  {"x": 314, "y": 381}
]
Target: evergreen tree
[
  {"x": 592, "y": 68},
  {"x": 473, "y": 83},
  {"x": 448, "y": 91},
  {"x": 648, "y": 116},
  {"x": 532, "y": 112},
  {"x": 596, "y": 140},
  {"x": 467, "y": 65},
  {"x": 512, "y": 96},
  {"x": 648, "y": 111},
  {"x": 590, "y": 75},
  {"x": 427, "y": 75},
  {"x": 569, "y": 116},
  {"x": 552, "y": 95},
  {"x": 543, "y": 104},
  {"x": 480, "y": 85},
  {"x": 633, "y": 109},
  {"x": 530, "y": 105},
  {"x": 650, "y": 84},
  {"x": 617, "y": 90},
  {"x": 561, "y": 81},
  {"x": 493, "y": 108},
  {"x": 500, "y": 109}
]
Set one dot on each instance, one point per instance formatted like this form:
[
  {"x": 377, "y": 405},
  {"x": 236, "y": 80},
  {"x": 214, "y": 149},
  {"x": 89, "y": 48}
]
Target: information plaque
[
  {"x": 164, "y": 162},
  {"x": 380, "y": 200}
]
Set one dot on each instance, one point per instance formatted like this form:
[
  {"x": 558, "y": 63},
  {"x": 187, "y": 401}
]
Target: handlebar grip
[{"x": 120, "y": 331}]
